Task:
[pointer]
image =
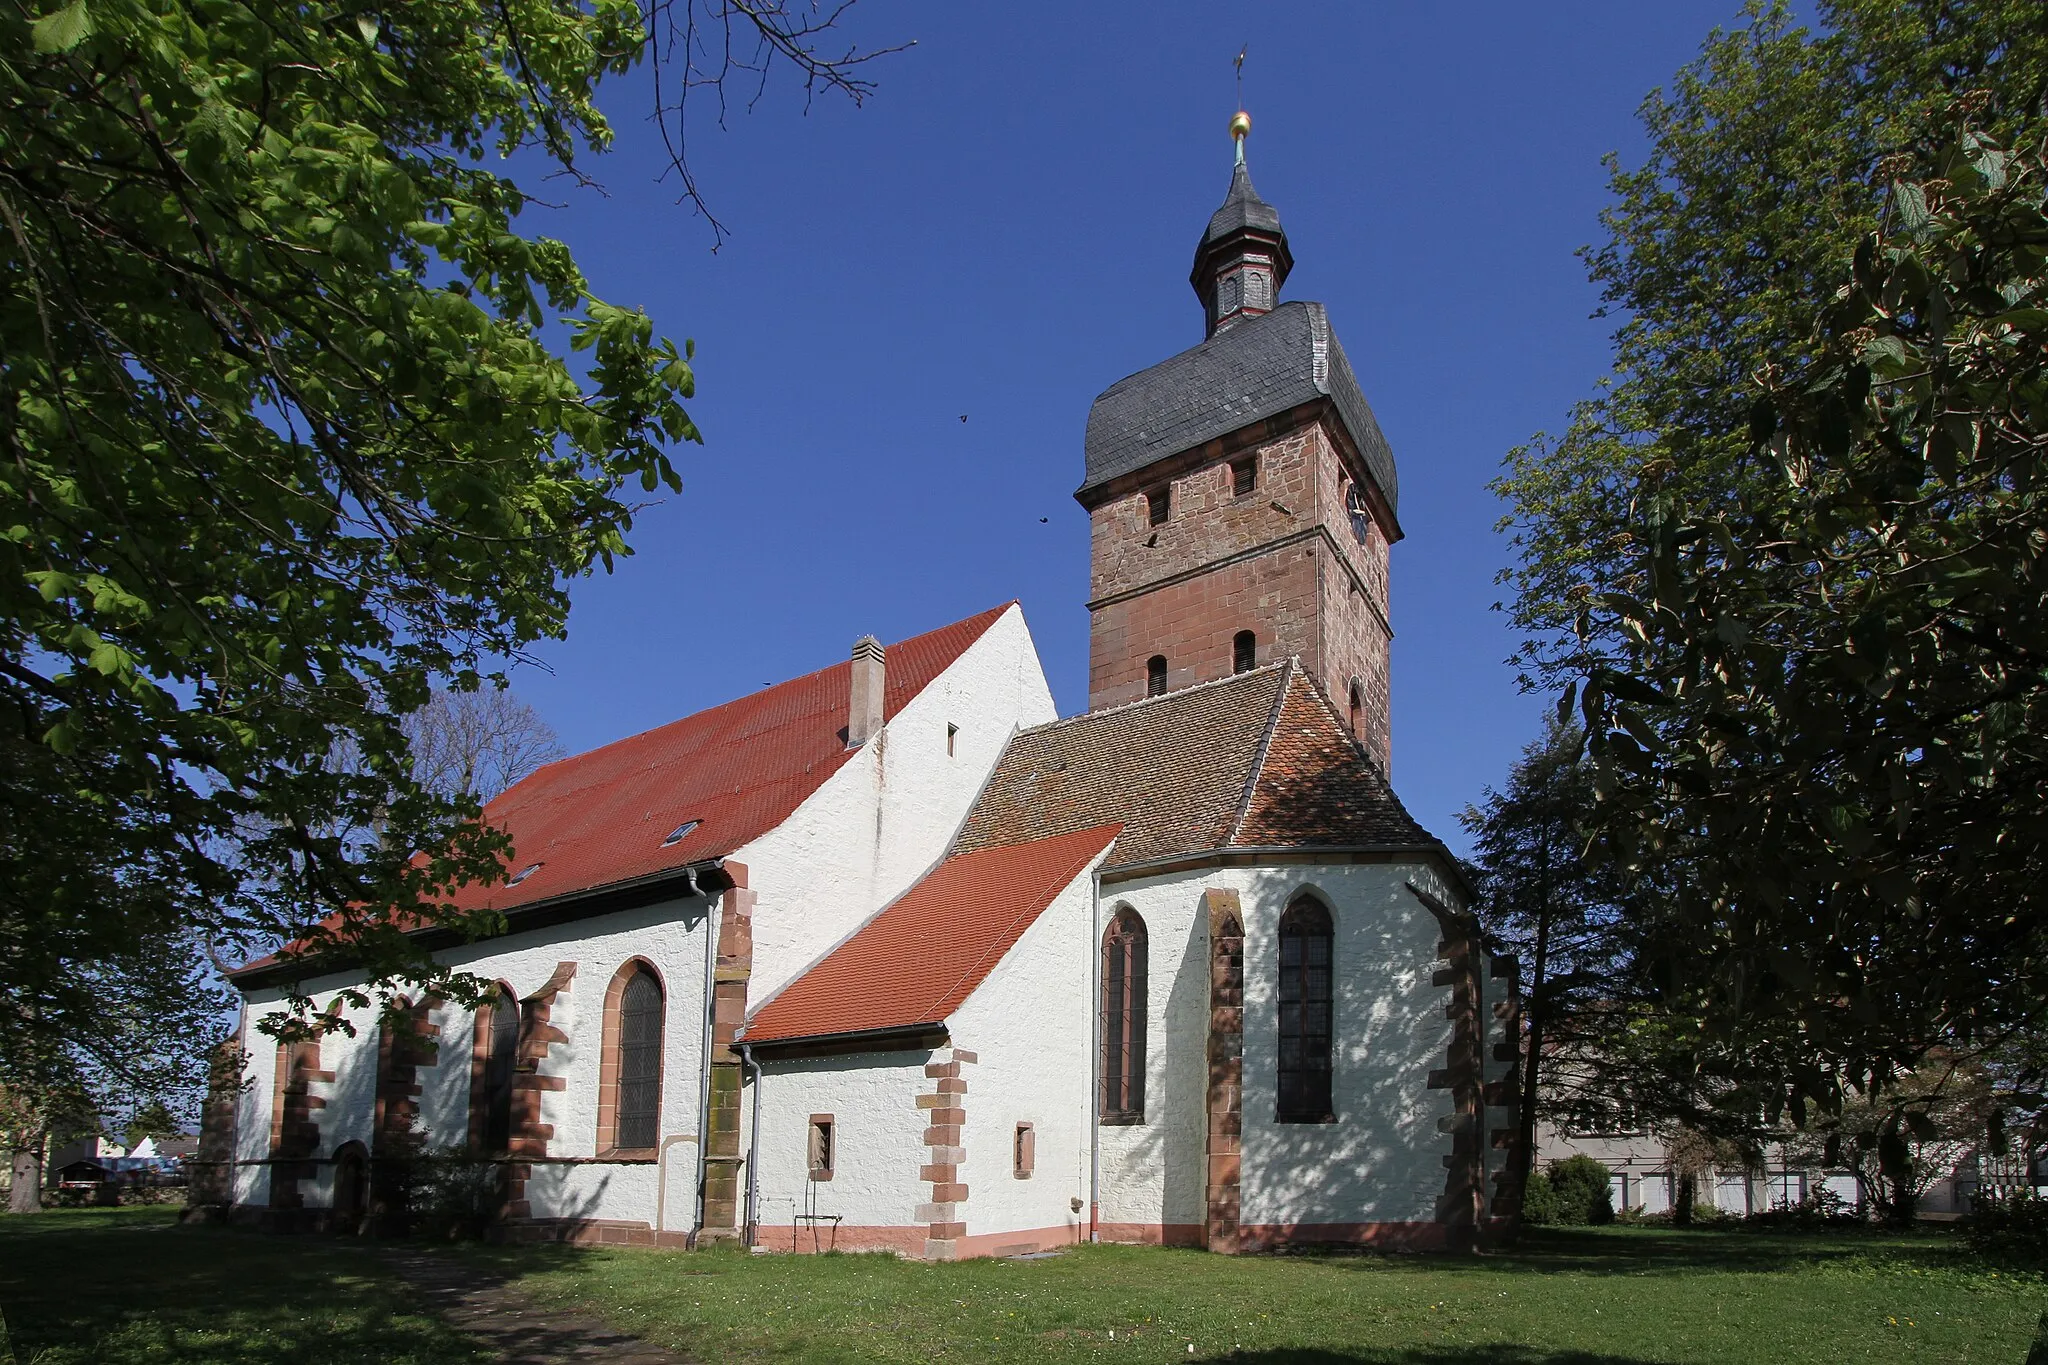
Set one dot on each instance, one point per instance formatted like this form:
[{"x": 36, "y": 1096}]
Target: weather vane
[{"x": 1240, "y": 122}]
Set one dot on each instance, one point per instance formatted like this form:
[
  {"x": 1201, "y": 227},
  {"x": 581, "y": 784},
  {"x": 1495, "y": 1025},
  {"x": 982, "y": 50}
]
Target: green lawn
[{"x": 127, "y": 1287}]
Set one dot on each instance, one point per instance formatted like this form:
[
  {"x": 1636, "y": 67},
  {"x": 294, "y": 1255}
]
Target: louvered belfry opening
[
  {"x": 639, "y": 1104},
  {"x": 1123, "y": 1018},
  {"x": 1305, "y": 995}
]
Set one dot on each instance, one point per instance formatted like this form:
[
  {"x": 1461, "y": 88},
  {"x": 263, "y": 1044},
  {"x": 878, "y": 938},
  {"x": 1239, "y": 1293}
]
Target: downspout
[
  {"x": 746, "y": 1052},
  {"x": 1095, "y": 1064},
  {"x": 704, "y": 1067}
]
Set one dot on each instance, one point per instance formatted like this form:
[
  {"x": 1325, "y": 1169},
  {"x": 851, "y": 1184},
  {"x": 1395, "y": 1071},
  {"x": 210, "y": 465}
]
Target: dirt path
[{"x": 475, "y": 1301}]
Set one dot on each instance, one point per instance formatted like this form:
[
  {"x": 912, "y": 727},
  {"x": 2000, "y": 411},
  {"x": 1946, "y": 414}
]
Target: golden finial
[{"x": 1240, "y": 124}]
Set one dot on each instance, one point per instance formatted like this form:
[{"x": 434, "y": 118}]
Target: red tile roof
[
  {"x": 739, "y": 770},
  {"x": 919, "y": 959}
]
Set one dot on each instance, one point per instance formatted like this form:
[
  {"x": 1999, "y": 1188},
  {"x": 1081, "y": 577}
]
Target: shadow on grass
[
  {"x": 1632, "y": 1251},
  {"x": 126, "y": 1287},
  {"x": 1423, "y": 1355}
]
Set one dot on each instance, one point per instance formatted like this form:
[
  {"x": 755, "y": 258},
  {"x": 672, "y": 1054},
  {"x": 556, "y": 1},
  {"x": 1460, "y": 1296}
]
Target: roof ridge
[
  {"x": 993, "y": 613},
  {"x": 1258, "y": 767},
  {"x": 1147, "y": 701}
]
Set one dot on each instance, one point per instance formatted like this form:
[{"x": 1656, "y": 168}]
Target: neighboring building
[
  {"x": 891, "y": 957},
  {"x": 1640, "y": 1175}
]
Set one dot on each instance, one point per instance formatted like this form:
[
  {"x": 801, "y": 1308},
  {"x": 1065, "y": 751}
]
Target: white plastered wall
[
  {"x": 877, "y": 1127},
  {"x": 669, "y": 935},
  {"x": 881, "y": 822},
  {"x": 1382, "y": 1161},
  {"x": 1029, "y": 1025}
]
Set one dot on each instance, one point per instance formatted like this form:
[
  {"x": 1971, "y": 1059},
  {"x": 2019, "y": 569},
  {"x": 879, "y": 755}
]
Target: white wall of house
[
  {"x": 1030, "y": 1026},
  {"x": 1383, "y": 1160},
  {"x": 669, "y": 935},
  {"x": 883, "y": 819},
  {"x": 877, "y": 1128}
]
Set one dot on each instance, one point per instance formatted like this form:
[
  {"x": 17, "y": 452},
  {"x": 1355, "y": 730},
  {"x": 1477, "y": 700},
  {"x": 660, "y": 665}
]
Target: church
[{"x": 893, "y": 957}]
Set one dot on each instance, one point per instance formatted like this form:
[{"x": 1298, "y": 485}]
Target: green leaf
[
  {"x": 1911, "y": 202},
  {"x": 63, "y": 30}
]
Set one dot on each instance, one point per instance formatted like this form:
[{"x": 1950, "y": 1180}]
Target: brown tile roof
[
  {"x": 1316, "y": 787},
  {"x": 919, "y": 959},
  {"x": 1256, "y": 760},
  {"x": 1172, "y": 770}
]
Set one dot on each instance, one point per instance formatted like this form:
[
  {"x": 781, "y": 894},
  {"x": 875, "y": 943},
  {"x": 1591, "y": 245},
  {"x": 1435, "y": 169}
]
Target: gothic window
[
  {"x": 1159, "y": 504},
  {"x": 638, "y": 1104},
  {"x": 1244, "y": 652},
  {"x": 496, "y": 1061},
  {"x": 1305, "y": 1014},
  {"x": 1123, "y": 1018},
  {"x": 1244, "y": 475},
  {"x": 1357, "y": 707},
  {"x": 1155, "y": 676}
]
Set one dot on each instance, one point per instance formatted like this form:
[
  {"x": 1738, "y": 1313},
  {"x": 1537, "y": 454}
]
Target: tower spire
[{"x": 1243, "y": 258}]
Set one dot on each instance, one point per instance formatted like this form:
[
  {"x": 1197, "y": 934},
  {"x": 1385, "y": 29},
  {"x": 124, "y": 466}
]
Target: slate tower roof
[{"x": 1261, "y": 358}]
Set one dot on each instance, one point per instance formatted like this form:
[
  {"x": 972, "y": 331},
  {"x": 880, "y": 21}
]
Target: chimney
[{"x": 864, "y": 717}]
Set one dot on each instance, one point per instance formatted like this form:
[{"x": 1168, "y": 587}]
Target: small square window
[
  {"x": 823, "y": 1149},
  {"x": 1159, "y": 504},
  {"x": 1024, "y": 1151},
  {"x": 1244, "y": 475}
]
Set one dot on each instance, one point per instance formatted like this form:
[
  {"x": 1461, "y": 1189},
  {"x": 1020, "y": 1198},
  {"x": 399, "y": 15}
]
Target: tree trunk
[
  {"x": 27, "y": 1194},
  {"x": 1688, "y": 1191},
  {"x": 1525, "y": 1148}
]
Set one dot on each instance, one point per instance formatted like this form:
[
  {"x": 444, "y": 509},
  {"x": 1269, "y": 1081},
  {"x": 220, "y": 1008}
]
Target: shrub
[
  {"x": 1820, "y": 1210},
  {"x": 2013, "y": 1226},
  {"x": 1580, "y": 1185},
  {"x": 452, "y": 1193},
  {"x": 1539, "y": 1201}
]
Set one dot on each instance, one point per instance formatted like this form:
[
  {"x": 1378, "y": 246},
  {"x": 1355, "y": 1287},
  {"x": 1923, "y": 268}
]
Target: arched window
[
  {"x": 351, "y": 1187},
  {"x": 494, "y": 1060},
  {"x": 1305, "y": 1014},
  {"x": 1123, "y": 1018},
  {"x": 1244, "y": 652},
  {"x": 640, "y": 1061},
  {"x": 629, "y": 1068},
  {"x": 1155, "y": 676},
  {"x": 1357, "y": 707}
]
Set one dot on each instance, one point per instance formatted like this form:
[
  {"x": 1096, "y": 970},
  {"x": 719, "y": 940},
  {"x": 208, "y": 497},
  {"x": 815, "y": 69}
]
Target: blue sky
[{"x": 1005, "y": 230}]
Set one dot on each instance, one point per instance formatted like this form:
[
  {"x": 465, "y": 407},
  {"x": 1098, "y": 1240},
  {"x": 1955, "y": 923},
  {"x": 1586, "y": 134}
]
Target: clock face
[{"x": 1361, "y": 515}]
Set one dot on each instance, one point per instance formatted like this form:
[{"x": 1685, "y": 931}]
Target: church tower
[{"x": 1241, "y": 496}]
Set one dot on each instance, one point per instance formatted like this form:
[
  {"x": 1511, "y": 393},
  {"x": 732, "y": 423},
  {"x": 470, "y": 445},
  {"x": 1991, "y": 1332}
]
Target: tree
[
  {"x": 476, "y": 744},
  {"x": 1759, "y": 181},
  {"x": 1795, "y": 750},
  {"x": 1831, "y": 704},
  {"x": 284, "y": 444},
  {"x": 1553, "y": 910}
]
